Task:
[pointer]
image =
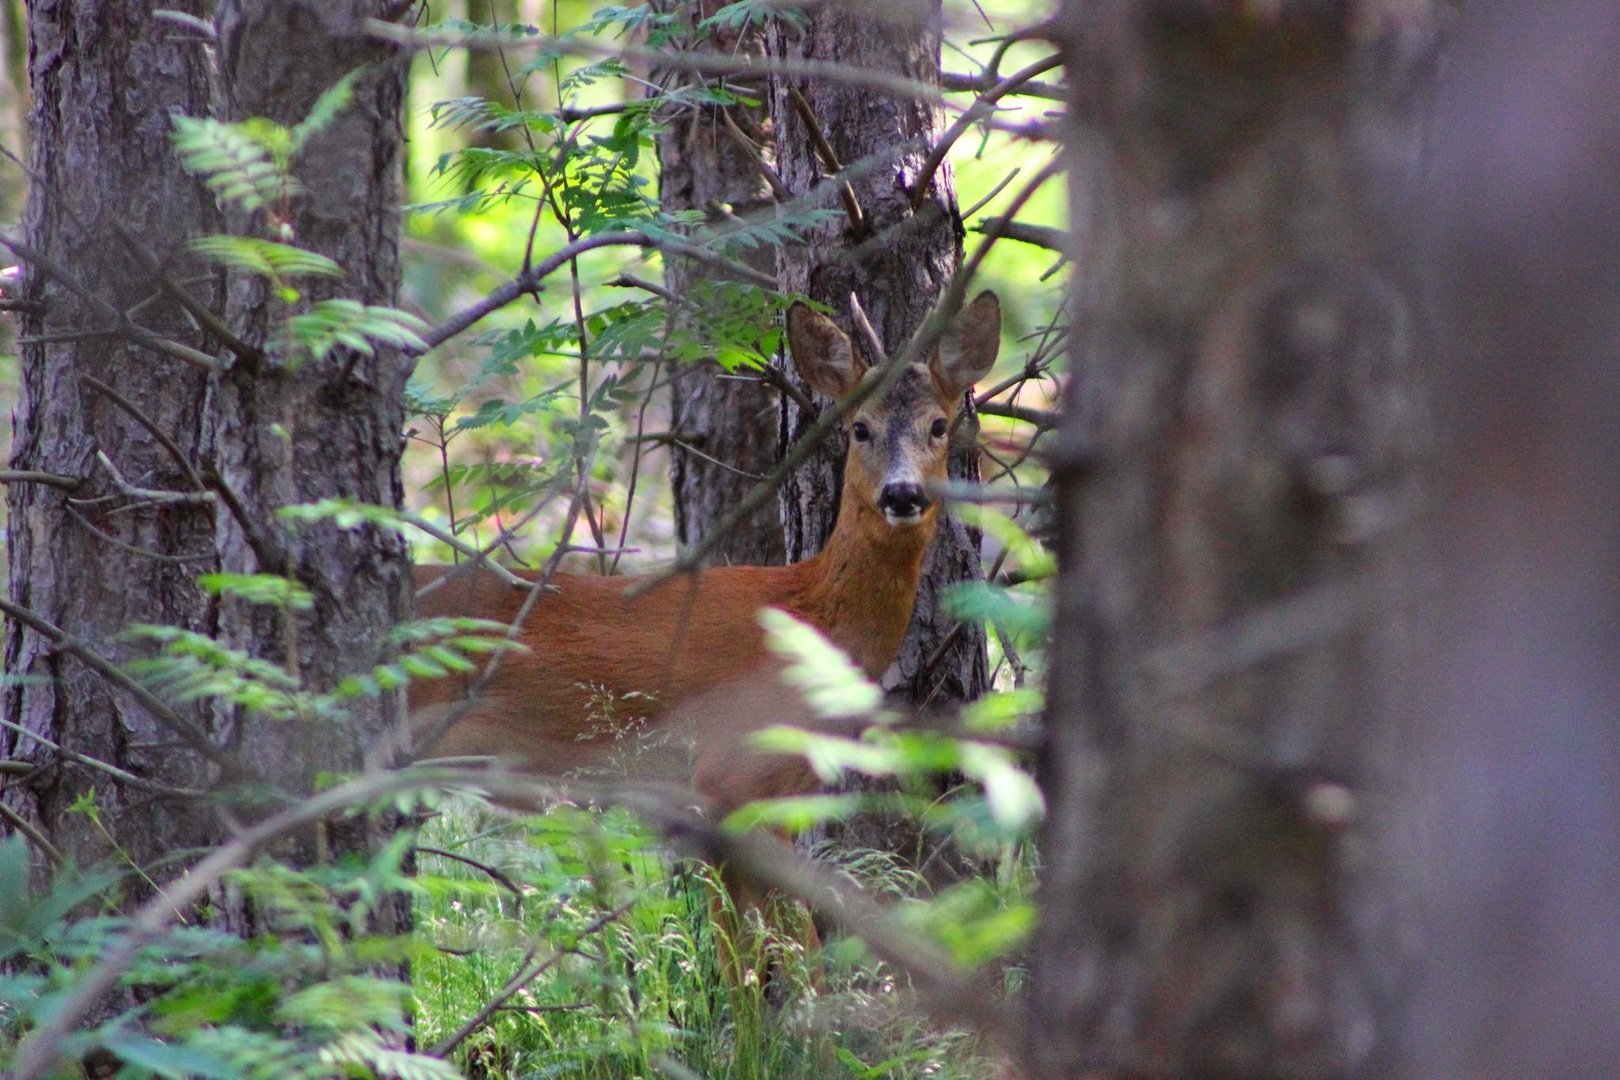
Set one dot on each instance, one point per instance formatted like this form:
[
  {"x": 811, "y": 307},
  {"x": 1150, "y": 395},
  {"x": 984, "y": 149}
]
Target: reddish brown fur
[{"x": 689, "y": 655}]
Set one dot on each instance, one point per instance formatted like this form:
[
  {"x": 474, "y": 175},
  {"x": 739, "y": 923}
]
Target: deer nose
[{"x": 902, "y": 501}]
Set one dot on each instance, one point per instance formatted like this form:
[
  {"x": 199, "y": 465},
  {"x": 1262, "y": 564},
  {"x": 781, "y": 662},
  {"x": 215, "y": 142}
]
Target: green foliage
[
  {"x": 303, "y": 999},
  {"x": 330, "y": 323}
]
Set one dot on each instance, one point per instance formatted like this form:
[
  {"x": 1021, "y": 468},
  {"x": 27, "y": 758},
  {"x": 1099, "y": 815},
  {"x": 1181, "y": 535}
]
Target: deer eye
[
  {"x": 939, "y": 428},
  {"x": 861, "y": 432}
]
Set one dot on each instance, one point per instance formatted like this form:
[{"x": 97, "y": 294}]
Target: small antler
[{"x": 873, "y": 343}]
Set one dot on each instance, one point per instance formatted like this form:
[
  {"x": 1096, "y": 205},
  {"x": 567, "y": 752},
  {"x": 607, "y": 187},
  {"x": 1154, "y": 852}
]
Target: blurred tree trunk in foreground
[
  {"x": 1520, "y": 709},
  {"x": 1235, "y": 482}
]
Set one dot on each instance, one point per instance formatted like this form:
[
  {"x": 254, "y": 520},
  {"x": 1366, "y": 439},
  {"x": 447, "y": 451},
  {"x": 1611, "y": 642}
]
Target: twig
[
  {"x": 533, "y": 278},
  {"x": 433, "y": 734},
  {"x": 510, "y": 885},
  {"x": 774, "y": 376},
  {"x": 149, "y": 424},
  {"x": 94, "y": 660},
  {"x": 196, "y": 308},
  {"x": 167, "y": 498},
  {"x": 27, "y": 476},
  {"x": 134, "y": 549},
  {"x": 1045, "y": 419},
  {"x": 829, "y": 161},
  {"x": 479, "y": 558},
  {"x": 1043, "y": 236},
  {"x": 124, "y": 327},
  {"x": 779, "y": 189},
  {"x": 114, "y": 771},
  {"x": 630, "y": 281},
  {"x": 713, "y": 62},
  {"x": 936, "y": 156},
  {"x": 954, "y": 82},
  {"x": 266, "y": 548},
  {"x": 527, "y": 972},
  {"x": 874, "y": 344},
  {"x": 21, "y": 824}
]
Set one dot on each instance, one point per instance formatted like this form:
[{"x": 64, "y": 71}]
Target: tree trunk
[
  {"x": 329, "y": 429},
  {"x": 898, "y": 264},
  {"x": 726, "y": 426},
  {"x": 105, "y": 80},
  {"x": 1234, "y": 474},
  {"x": 1517, "y": 742}
]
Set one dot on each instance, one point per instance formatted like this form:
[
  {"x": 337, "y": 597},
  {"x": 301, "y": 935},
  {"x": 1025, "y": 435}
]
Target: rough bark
[
  {"x": 726, "y": 426},
  {"x": 329, "y": 429},
  {"x": 1234, "y": 474},
  {"x": 105, "y": 79},
  {"x": 898, "y": 265}
]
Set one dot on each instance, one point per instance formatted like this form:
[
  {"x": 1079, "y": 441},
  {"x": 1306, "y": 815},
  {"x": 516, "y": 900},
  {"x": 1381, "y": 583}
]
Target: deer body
[{"x": 689, "y": 656}]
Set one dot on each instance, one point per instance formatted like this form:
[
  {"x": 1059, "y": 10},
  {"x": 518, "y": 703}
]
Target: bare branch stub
[{"x": 858, "y": 226}]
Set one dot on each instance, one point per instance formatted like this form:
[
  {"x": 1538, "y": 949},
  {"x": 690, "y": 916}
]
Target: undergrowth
[{"x": 632, "y": 984}]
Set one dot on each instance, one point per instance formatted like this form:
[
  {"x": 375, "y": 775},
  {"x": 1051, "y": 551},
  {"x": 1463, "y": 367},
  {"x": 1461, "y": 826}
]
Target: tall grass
[{"x": 631, "y": 953}]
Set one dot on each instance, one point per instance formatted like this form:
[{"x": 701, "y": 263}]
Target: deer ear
[
  {"x": 822, "y": 352},
  {"x": 968, "y": 349}
]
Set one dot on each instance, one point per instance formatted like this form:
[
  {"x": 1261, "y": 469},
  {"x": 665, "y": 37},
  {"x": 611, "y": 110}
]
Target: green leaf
[
  {"x": 265, "y": 257},
  {"x": 259, "y": 589},
  {"x": 325, "y": 110},
  {"x": 822, "y": 672},
  {"x": 331, "y": 323},
  {"x": 794, "y": 814},
  {"x": 241, "y": 163}
]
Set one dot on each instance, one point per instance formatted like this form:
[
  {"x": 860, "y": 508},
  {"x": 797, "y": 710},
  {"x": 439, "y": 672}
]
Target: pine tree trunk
[
  {"x": 1235, "y": 473},
  {"x": 105, "y": 79},
  {"x": 329, "y": 429},
  {"x": 725, "y": 426},
  {"x": 897, "y": 264}
]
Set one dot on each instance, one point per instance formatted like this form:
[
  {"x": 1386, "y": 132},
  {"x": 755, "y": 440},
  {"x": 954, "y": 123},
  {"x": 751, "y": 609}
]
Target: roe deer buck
[{"x": 690, "y": 655}]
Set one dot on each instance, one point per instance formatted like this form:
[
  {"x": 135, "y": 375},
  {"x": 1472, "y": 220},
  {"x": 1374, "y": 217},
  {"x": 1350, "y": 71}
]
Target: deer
[{"x": 688, "y": 657}]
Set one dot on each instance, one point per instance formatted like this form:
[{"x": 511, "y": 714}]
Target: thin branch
[
  {"x": 531, "y": 280},
  {"x": 196, "y": 308},
  {"x": 149, "y": 424},
  {"x": 176, "y": 723},
  {"x": 26, "y": 476},
  {"x": 433, "y": 734},
  {"x": 114, "y": 771},
  {"x": 38, "y": 839},
  {"x": 1045, "y": 419},
  {"x": 510, "y": 885},
  {"x": 134, "y": 549},
  {"x": 712, "y": 62},
  {"x": 874, "y": 344},
  {"x": 630, "y": 281},
  {"x": 123, "y": 326},
  {"x": 266, "y": 548},
  {"x": 779, "y": 189},
  {"x": 829, "y": 161},
  {"x": 936, "y": 156},
  {"x": 527, "y": 972},
  {"x": 953, "y": 82},
  {"x": 773, "y": 375},
  {"x": 479, "y": 558},
  {"x": 1043, "y": 236},
  {"x": 165, "y": 498}
]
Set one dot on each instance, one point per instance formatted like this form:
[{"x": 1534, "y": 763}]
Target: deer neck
[{"x": 865, "y": 581}]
